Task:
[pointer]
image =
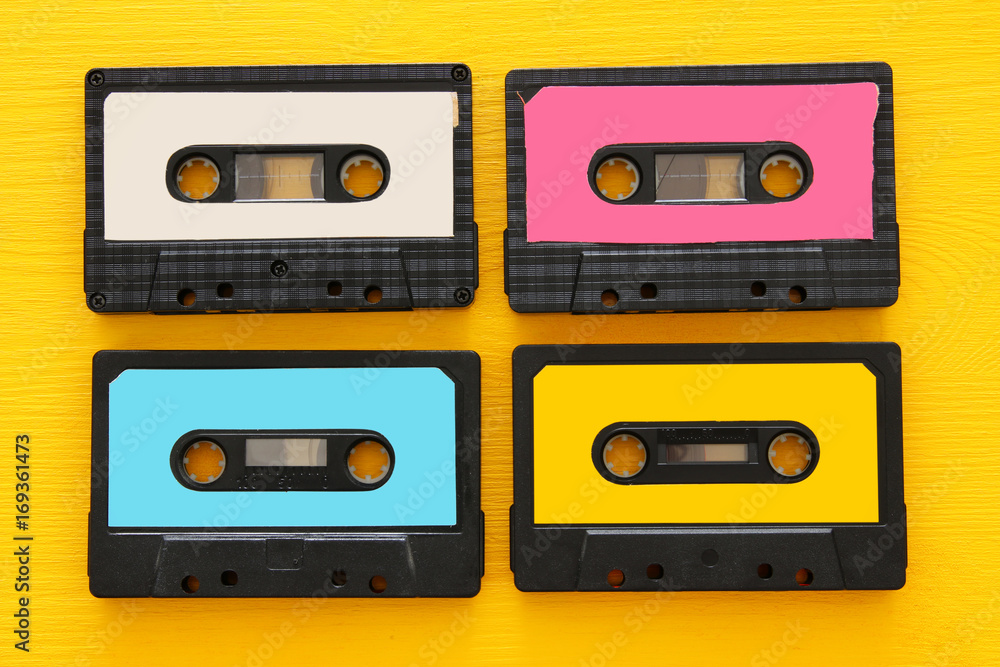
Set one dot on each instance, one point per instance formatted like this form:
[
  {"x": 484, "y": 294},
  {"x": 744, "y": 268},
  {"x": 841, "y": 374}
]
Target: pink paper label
[{"x": 834, "y": 125}]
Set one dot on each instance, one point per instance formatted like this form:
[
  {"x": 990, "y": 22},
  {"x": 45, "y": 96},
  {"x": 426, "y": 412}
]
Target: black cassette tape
[
  {"x": 708, "y": 467},
  {"x": 279, "y": 188},
  {"x": 285, "y": 474},
  {"x": 701, "y": 188}
]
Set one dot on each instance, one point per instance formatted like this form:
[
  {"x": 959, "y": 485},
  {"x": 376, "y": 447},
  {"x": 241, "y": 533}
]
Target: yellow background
[
  {"x": 945, "y": 60},
  {"x": 573, "y": 403}
]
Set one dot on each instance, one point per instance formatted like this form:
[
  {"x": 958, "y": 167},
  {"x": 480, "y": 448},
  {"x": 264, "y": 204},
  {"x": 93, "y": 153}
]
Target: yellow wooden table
[{"x": 944, "y": 56}]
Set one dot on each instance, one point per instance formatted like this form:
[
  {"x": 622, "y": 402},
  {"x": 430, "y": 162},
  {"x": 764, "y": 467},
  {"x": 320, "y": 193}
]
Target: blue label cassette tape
[{"x": 267, "y": 474}]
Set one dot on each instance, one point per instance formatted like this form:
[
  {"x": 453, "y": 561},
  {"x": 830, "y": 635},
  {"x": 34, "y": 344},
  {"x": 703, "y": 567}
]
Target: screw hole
[
  {"x": 373, "y": 294},
  {"x": 377, "y": 583},
  {"x": 609, "y": 298},
  {"x": 339, "y": 578},
  {"x": 186, "y": 297},
  {"x": 758, "y": 288},
  {"x": 225, "y": 291},
  {"x": 804, "y": 577},
  {"x": 459, "y": 73},
  {"x": 279, "y": 268},
  {"x": 654, "y": 571},
  {"x": 229, "y": 578},
  {"x": 334, "y": 288},
  {"x": 797, "y": 294},
  {"x": 710, "y": 557},
  {"x": 648, "y": 291},
  {"x": 764, "y": 570},
  {"x": 616, "y": 578},
  {"x": 190, "y": 584}
]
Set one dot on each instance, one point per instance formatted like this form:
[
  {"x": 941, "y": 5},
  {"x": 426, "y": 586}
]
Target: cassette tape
[
  {"x": 708, "y": 467},
  {"x": 701, "y": 188},
  {"x": 279, "y": 188},
  {"x": 285, "y": 474}
]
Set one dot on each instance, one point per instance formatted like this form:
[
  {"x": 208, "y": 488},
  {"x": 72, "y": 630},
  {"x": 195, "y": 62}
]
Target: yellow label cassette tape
[{"x": 708, "y": 467}]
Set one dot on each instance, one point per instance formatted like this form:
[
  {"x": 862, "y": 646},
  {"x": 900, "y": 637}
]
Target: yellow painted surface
[
  {"x": 837, "y": 402},
  {"x": 945, "y": 60}
]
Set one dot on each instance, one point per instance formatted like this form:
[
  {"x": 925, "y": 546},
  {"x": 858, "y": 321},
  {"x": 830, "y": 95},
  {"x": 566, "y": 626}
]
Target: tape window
[{"x": 279, "y": 177}]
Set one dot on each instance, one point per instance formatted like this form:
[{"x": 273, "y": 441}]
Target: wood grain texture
[{"x": 945, "y": 61}]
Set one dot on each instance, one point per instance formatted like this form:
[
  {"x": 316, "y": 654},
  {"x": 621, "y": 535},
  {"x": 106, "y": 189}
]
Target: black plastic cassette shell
[
  {"x": 131, "y": 276},
  {"x": 561, "y": 276},
  {"x": 579, "y": 557},
  {"x": 291, "y": 562}
]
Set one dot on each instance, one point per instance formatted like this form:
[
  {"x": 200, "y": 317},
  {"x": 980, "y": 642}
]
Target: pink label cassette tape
[{"x": 701, "y": 188}]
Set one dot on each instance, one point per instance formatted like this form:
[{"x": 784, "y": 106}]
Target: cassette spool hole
[
  {"x": 368, "y": 462},
  {"x": 203, "y": 462},
  {"x": 782, "y": 175},
  {"x": 197, "y": 178},
  {"x": 617, "y": 178},
  {"x": 789, "y": 454},
  {"x": 362, "y": 175},
  {"x": 624, "y": 455}
]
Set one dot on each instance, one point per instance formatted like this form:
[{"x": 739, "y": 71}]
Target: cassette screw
[
  {"x": 459, "y": 73},
  {"x": 463, "y": 295},
  {"x": 97, "y": 301},
  {"x": 279, "y": 268},
  {"x": 96, "y": 78}
]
